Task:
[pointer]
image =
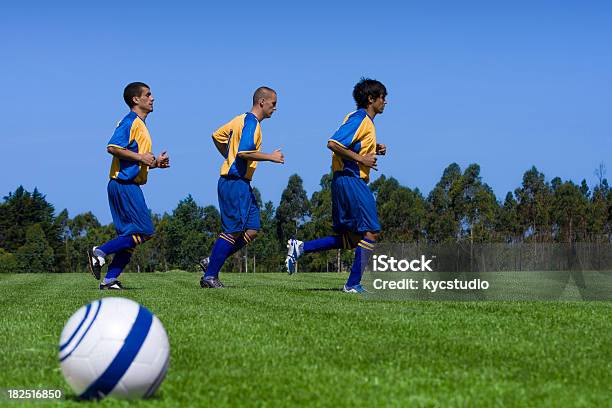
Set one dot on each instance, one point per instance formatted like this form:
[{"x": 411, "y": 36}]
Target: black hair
[
  {"x": 133, "y": 90},
  {"x": 262, "y": 92},
  {"x": 365, "y": 88}
]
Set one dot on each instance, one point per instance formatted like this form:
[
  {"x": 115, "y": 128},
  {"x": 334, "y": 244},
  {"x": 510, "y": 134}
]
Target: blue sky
[{"x": 505, "y": 85}]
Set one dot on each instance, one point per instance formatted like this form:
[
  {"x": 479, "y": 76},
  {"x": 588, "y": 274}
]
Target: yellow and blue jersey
[
  {"x": 358, "y": 134},
  {"x": 131, "y": 134},
  {"x": 241, "y": 134}
]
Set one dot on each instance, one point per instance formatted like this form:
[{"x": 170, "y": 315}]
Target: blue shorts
[
  {"x": 237, "y": 204},
  {"x": 353, "y": 205},
  {"x": 129, "y": 209}
]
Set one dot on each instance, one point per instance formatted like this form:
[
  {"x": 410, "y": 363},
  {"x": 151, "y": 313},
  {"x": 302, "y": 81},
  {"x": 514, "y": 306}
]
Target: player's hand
[
  {"x": 147, "y": 159},
  {"x": 163, "y": 160},
  {"x": 369, "y": 160},
  {"x": 381, "y": 149},
  {"x": 277, "y": 156}
]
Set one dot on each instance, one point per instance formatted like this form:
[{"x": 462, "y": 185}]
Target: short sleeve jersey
[
  {"x": 241, "y": 134},
  {"x": 358, "y": 134},
  {"x": 131, "y": 134}
]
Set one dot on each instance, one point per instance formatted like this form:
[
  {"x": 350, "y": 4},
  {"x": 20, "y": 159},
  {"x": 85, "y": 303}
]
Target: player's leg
[
  {"x": 297, "y": 248},
  {"x": 252, "y": 223},
  {"x": 241, "y": 241},
  {"x": 134, "y": 217},
  {"x": 223, "y": 247},
  {"x": 240, "y": 222},
  {"x": 132, "y": 220},
  {"x": 119, "y": 262},
  {"x": 228, "y": 241},
  {"x": 363, "y": 252},
  {"x": 366, "y": 226}
]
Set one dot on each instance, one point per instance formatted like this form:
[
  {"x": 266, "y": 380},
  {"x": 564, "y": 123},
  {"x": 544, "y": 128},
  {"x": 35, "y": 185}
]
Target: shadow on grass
[
  {"x": 128, "y": 289},
  {"x": 324, "y": 289}
]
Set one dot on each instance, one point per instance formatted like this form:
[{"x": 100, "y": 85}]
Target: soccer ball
[{"x": 114, "y": 346}]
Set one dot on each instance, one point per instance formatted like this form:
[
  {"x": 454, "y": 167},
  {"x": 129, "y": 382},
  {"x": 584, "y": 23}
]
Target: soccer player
[
  {"x": 239, "y": 142},
  {"x": 130, "y": 147},
  {"x": 354, "y": 215}
]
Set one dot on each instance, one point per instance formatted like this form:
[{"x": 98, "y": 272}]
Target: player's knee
[
  {"x": 141, "y": 238},
  {"x": 234, "y": 236},
  {"x": 250, "y": 235}
]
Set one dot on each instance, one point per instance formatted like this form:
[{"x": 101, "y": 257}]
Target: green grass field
[{"x": 271, "y": 339}]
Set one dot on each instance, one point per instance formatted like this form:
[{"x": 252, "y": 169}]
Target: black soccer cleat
[
  {"x": 94, "y": 265},
  {"x": 211, "y": 283},
  {"x": 114, "y": 285}
]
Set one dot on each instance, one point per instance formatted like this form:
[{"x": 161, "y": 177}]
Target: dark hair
[
  {"x": 133, "y": 90},
  {"x": 262, "y": 92},
  {"x": 365, "y": 88}
]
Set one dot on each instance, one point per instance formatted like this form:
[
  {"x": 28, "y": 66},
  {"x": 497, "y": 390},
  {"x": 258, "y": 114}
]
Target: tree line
[{"x": 461, "y": 208}]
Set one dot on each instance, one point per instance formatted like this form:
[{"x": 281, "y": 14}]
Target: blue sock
[
  {"x": 120, "y": 243},
  {"x": 223, "y": 248},
  {"x": 323, "y": 244},
  {"x": 364, "y": 250},
  {"x": 244, "y": 239},
  {"x": 120, "y": 261}
]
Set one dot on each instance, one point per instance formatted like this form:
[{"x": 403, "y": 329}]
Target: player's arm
[
  {"x": 369, "y": 160},
  {"x": 147, "y": 158},
  {"x": 123, "y": 135},
  {"x": 276, "y": 156},
  {"x": 346, "y": 135},
  {"x": 248, "y": 148}
]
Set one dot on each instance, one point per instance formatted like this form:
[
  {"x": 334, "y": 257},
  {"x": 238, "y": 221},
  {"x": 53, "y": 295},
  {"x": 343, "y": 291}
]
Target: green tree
[
  {"x": 475, "y": 205},
  {"x": 569, "y": 207},
  {"x": 318, "y": 226},
  {"x": 62, "y": 261},
  {"x": 402, "y": 212},
  {"x": 190, "y": 233},
  {"x": 8, "y": 262},
  {"x": 508, "y": 226},
  {"x": 81, "y": 233},
  {"x": 533, "y": 206},
  {"x": 293, "y": 209},
  {"x": 22, "y": 209},
  {"x": 268, "y": 253},
  {"x": 598, "y": 212},
  {"x": 35, "y": 255},
  {"x": 443, "y": 220}
]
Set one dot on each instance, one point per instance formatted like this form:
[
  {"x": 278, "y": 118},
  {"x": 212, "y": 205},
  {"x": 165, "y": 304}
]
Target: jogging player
[{"x": 355, "y": 219}]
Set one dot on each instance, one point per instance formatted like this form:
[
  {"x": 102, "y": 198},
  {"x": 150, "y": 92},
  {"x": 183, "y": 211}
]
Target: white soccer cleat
[
  {"x": 99, "y": 256},
  {"x": 295, "y": 249},
  {"x": 354, "y": 289}
]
